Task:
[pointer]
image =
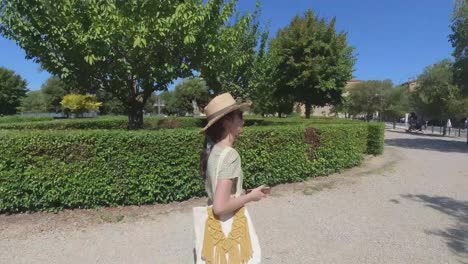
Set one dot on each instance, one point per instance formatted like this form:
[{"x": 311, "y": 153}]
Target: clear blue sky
[{"x": 394, "y": 39}]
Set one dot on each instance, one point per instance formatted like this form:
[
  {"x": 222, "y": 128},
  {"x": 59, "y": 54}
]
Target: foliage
[
  {"x": 12, "y": 90},
  {"x": 33, "y": 102},
  {"x": 375, "y": 141},
  {"x": 151, "y": 123},
  {"x": 50, "y": 170},
  {"x": 396, "y": 102},
  {"x": 436, "y": 95},
  {"x": 20, "y": 119},
  {"x": 53, "y": 91},
  {"x": 179, "y": 101},
  {"x": 230, "y": 64},
  {"x": 367, "y": 97},
  {"x": 79, "y": 103},
  {"x": 128, "y": 48},
  {"x": 268, "y": 97},
  {"x": 315, "y": 61},
  {"x": 459, "y": 39}
]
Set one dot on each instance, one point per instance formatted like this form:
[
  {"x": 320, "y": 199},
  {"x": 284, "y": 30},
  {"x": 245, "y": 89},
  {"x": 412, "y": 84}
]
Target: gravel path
[{"x": 408, "y": 206}]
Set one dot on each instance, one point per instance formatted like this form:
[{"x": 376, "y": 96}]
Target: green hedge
[
  {"x": 105, "y": 122},
  {"x": 19, "y": 118},
  {"x": 151, "y": 123},
  {"x": 375, "y": 141},
  {"x": 51, "y": 170}
]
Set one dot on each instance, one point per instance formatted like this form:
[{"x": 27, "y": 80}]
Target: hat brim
[{"x": 242, "y": 107}]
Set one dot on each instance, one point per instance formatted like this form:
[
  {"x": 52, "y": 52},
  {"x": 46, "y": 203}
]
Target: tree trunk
[
  {"x": 135, "y": 117},
  {"x": 394, "y": 124},
  {"x": 308, "y": 108}
]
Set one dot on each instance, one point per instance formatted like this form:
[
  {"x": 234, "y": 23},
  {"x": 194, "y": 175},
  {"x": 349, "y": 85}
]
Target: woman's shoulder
[{"x": 232, "y": 155}]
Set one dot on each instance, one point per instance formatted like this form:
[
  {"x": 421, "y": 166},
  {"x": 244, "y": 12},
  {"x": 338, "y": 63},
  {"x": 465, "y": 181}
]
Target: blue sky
[{"x": 394, "y": 39}]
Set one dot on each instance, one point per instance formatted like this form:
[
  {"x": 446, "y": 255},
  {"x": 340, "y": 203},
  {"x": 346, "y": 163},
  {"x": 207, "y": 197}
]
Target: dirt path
[{"x": 408, "y": 206}]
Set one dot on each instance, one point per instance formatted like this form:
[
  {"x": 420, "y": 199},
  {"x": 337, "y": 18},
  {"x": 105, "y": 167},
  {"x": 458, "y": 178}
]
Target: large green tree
[
  {"x": 436, "y": 96},
  {"x": 53, "y": 91},
  {"x": 396, "y": 103},
  {"x": 231, "y": 67},
  {"x": 315, "y": 60},
  {"x": 12, "y": 90},
  {"x": 181, "y": 100},
  {"x": 33, "y": 102},
  {"x": 128, "y": 48},
  {"x": 367, "y": 97},
  {"x": 268, "y": 97},
  {"x": 459, "y": 39}
]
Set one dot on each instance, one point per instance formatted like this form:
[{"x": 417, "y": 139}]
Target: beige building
[
  {"x": 325, "y": 111},
  {"x": 411, "y": 85}
]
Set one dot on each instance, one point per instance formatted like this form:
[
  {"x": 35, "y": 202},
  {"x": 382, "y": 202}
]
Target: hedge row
[
  {"x": 375, "y": 141},
  {"x": 121, "y": 122},
  {"x": 111, "y": 122},
  {"x": 51, "y": 170},
  {"x": 19, "y": 118}
]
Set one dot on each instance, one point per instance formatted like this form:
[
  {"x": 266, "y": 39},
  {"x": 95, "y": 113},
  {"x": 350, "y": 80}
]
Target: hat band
[{"x": 219, "y": 113}]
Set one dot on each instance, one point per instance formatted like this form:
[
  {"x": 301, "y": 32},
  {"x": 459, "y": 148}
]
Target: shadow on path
[{"x": 455, "y": 236}]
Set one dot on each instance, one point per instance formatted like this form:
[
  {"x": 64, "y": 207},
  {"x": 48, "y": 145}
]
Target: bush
[
  {"x": 375, "y": 141},
  {"x": 151, "y": 123},
  {"x": 51, "y": 170},
  {"x": 18, "y": 119}
]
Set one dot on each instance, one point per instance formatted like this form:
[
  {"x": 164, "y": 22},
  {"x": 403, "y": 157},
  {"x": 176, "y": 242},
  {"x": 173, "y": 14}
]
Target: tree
[
  {"x": 396, "y": 103},
  {"x": 436, "y": 95},
  {"x": 459, "y": 40},
  {"x": 79, "y": 103},
  {"x": 33, "y": 102},
  {"x": 230, "y": 64},
  {"x": 315, "y": 61},
  {"x": 128, "y": 48},
  {"x": 367, "y": 97},
  {"x": 12, "y": 90},
  {"x": 268, "y": 97},
  {"x": 53, "y": 91},
  {"x": 180, "y": 101}
]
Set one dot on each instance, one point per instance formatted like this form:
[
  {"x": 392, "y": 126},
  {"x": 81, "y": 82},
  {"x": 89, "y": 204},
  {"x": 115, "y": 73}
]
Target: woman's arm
[{"x": 224, "y": 203}]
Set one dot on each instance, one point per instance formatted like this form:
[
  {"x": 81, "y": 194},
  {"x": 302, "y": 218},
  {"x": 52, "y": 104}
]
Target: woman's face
[{"x": 235, "y": 123}]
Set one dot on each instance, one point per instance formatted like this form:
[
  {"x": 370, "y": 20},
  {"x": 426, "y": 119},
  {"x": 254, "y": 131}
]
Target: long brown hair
[{"x": 213, "y": 135}]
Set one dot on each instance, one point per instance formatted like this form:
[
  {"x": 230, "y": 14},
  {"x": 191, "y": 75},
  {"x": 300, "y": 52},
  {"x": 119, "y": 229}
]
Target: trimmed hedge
[
  {"x": 154, "y": 123},
  {"x": 105, "y": 122},
  {"x": 375, "y": 141},
  {"x": 19, "y": 118},
  {"x": 51, "y": 170}
]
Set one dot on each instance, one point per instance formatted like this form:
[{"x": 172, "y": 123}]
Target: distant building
[{"x": 411, "y": 85}]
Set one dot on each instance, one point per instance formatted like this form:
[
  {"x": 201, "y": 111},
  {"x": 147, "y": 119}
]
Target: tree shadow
[
  {"x": 456, "y": 236},
  {"x": 429, "y": 143}
]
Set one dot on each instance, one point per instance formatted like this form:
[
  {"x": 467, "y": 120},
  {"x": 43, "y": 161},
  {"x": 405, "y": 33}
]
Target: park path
[{"x": 409, "y": 205}]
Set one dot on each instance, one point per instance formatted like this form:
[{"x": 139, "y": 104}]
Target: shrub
[
  {"x": 50, "y": 170},
  {"x": 375, "y": 141},
  {"x": 151, "y": 123},
  {"x": 19, "y": 118}
]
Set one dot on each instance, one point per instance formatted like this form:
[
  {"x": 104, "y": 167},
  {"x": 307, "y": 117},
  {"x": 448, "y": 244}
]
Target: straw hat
[{"x": 220, "y": 106}]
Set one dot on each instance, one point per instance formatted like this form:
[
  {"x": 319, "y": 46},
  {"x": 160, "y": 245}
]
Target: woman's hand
[{"x": 258, "y": 193}]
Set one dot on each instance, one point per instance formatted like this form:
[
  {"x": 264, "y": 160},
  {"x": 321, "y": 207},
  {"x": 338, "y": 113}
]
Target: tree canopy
[
  {"x": 459, "y": 40},
  {"x": 12, "y": 90},
  {"x": 315, "y": 61},
  {"x": 128, "y": 48}
]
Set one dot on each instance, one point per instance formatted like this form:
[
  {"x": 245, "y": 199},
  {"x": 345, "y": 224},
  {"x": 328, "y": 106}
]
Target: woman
[{"x": 228, "y": 233}]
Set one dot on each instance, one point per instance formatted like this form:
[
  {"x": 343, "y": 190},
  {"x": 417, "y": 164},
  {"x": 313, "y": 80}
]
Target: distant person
[
  {"x": 449, "y": 123},
  {"x": 466, "y": 123}
]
